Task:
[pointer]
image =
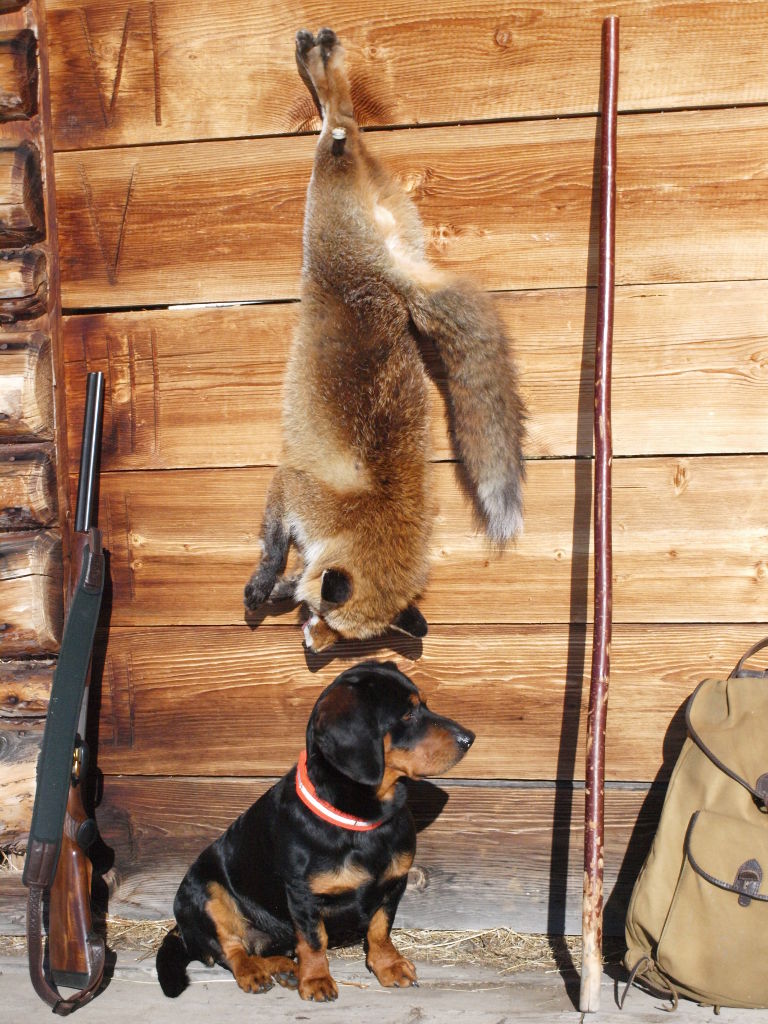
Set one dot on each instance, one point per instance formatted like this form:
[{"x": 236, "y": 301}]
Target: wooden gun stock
[{"x": 74, "y": 949}]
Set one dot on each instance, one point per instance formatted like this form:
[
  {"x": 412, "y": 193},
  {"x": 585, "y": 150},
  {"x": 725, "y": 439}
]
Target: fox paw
[
  {"x": 304, "y": 43},
  {"x": 257, "y": 589},
  {"x": 326, "y": 39}
]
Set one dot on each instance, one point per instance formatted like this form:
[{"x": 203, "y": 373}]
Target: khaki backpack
[{"x": 697, "y": 922}]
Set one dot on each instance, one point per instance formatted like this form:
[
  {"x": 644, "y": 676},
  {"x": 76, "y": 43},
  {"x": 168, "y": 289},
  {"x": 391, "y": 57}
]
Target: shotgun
[{"x": 61, "y": 831}]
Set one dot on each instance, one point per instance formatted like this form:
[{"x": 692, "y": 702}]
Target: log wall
[
  {"x": 33, "y": 452},
  {"x": 184, "y": 143}
]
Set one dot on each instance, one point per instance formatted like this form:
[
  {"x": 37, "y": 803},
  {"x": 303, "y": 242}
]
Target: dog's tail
[
  {"x": 487, "y": 412},
  {"x": 171, "y": 962}
]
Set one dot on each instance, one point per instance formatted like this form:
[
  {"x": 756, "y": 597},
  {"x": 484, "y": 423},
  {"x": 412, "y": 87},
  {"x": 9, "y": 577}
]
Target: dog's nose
[{"x": 465, "y": 739}]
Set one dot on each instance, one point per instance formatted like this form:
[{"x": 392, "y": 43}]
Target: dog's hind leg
[{"x": 237, "y": 938}]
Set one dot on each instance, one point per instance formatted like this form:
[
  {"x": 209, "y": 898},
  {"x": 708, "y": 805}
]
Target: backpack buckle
[{"x": 747, "y": 881}]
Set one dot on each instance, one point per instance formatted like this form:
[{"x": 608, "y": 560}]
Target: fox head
[{"x": 350, "y": 600}]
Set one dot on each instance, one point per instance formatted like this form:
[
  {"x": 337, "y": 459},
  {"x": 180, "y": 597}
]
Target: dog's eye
[{"x": 407, "y": 716}]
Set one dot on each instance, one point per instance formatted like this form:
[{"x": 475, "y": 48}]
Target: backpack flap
[
  {"x": 727, "y": 719},
  {"x": 714, "y": 944}
]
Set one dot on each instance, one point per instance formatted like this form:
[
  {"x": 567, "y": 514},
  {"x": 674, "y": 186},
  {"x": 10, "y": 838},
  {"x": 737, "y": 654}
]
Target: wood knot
[
  {"x": 418, "y": 878},
  {"x": 680, "y": 479},
  {"x": 502, "y": 37},
  {"x": 761, "y": 572}
]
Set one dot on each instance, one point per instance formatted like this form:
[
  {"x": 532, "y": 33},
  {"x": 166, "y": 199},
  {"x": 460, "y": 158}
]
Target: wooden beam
[
  {"x": 24, "y": 688},
  {"x": 224, "y": 220},
  {"x": 22, "y": 216},
  {"x": 127, "y": 73},
  {"x": 31, "y": 594},
  {"x": 19, "y": 749},
  {"x": 183, "y": 543},
  {"x": 26, "y": 387},
  {"x": 522, "y": 689},
  {"x": 23, "y": 285},
  {"x": 28, "y": 486},
  {"x": 18, "y": 75}
]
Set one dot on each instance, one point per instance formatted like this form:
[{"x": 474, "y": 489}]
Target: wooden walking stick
[{"x": 592, "y": 905}]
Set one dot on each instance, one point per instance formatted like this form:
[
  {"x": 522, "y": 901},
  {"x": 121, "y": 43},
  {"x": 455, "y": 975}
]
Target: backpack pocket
[{"x": 715, "y": 939}]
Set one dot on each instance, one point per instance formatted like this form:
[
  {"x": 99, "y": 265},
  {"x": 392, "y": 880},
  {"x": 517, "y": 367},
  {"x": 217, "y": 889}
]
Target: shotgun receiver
[{"x": 61, "y": 831}]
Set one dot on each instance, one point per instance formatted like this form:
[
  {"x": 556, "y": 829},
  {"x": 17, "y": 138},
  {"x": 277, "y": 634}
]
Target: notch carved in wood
[
  {"x": 22, "y": 216},
  {"x": 23, "y": 285},
  {"x": 18, "y": 75}
]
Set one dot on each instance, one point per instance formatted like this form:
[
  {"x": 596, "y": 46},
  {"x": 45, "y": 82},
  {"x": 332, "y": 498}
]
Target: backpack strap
[
  {"x": 740, "y": 672},
  {"x": 658, "y": 984}
]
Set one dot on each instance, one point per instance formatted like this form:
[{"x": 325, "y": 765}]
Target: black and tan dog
[{"x": 322, "y": 858}]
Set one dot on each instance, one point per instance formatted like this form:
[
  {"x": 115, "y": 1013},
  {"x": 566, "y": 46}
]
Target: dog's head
[{"x": 372, "y": 725}]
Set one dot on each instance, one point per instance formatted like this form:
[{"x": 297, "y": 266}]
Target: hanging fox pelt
[{"x": 352, "y": 489}]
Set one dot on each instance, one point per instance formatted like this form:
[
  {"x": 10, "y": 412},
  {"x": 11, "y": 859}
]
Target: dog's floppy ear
[
  {"x": 336, "y": 586},
  {"x": 411, "y": 621},
  {"x": 345, "y": 730}
]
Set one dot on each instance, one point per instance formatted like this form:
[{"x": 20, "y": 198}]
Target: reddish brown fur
[
  {"x": 352, "y": 490},
  {"x": 315, "y": 981},
  {"x": 391, "y": 969}
]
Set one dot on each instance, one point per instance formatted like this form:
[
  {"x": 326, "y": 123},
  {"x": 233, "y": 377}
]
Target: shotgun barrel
[{"x": 87, "y": 486}]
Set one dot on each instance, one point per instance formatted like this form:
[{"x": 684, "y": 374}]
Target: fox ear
[
  {"x": 336, "y": 586},
  {"x": 411, "y": 621}
]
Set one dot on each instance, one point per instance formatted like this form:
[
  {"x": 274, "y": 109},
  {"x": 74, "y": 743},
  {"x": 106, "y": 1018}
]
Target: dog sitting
[{"x": 322, "y": 858}]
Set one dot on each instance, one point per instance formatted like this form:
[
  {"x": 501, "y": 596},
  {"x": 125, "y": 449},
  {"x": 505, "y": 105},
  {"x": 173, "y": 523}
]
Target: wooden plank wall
[{"x": 184, "y": 145}]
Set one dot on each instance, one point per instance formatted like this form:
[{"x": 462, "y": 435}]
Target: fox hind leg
[{"x": 320, "y": 62}]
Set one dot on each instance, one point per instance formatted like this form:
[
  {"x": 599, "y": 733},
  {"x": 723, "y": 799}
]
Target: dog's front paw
[
  {"x": 319, "y": 989},
  {"x": 399, "y": 973}
]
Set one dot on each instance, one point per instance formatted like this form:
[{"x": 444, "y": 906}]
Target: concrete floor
[{"x": 445, "y": 996}]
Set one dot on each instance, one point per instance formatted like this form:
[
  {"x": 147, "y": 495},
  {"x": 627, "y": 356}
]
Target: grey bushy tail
[
  {"x": 488, "y": 414},
  {"x": 171, "y": 962}
]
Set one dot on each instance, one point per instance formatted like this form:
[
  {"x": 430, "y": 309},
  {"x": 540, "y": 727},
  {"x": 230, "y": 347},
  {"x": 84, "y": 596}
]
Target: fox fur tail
[
  {"x": 171, "y": 963},
  {"x": 487, "y": 412}
]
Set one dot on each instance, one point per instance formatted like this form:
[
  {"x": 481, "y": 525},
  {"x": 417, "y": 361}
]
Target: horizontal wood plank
[
  {"x": 241, "y": 700},
  {"x": 183, "y": 543},
  {"x": 512, "y": 204},
  {"x": 493, "y": 857},
  {"x": 126, "y": 73},
  {"x": 701, "y": 350}
]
